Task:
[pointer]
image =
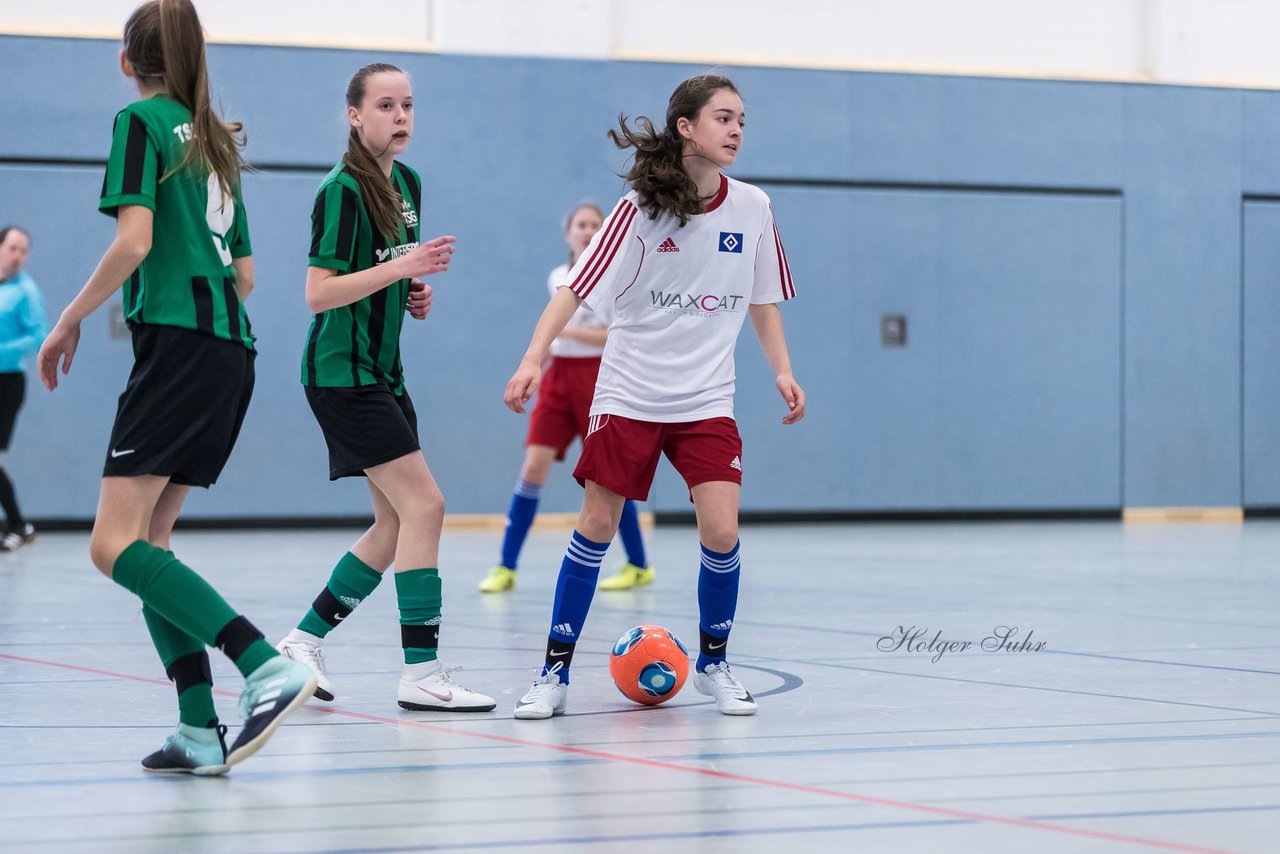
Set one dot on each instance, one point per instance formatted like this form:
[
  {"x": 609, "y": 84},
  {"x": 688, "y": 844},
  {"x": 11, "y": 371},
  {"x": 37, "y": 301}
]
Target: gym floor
[{"x": 1130, "y": 702}]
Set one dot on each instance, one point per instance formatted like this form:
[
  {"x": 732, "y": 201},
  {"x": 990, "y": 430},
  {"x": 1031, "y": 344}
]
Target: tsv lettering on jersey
[
  {"x": 183, "y": 132},
  {"x": 410, "y": 215},
  {"x": 395, "y": 251},
  {"x": 702, "y": 303}
]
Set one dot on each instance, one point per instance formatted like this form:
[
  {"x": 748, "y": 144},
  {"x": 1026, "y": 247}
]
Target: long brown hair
[
  {"x": 658, "y": 172},
  {"x": 381, "y": 199},
  {"x": 164, "y": 42}
]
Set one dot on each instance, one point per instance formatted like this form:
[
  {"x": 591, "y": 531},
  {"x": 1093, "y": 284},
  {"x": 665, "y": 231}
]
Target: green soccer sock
[
  {"x": 175, "y": 592},
  {"x": 351, "y": 583},
  {"x": 418, "y": 593},
  {"x": 186, "y": 663}
]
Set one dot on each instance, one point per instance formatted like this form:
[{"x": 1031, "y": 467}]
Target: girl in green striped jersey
[
  {"x": 364, "y": 273},
  {"x": 182, "y": 251}
]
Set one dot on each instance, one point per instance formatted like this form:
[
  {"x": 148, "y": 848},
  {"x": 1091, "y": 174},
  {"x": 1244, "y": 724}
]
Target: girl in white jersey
[
  {"x": 683, "y": 259},
  {"x": 562, "y": 415}
]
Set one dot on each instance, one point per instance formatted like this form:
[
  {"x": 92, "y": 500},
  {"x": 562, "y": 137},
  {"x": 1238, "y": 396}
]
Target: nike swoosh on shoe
[{"x": 442, "y": 697}]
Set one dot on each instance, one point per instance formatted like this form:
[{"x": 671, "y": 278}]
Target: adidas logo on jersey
[
  {"x": 668, "y": 245},
  {"x": 736, "y": 464},
  {"x": 563, "y": 629},
  {"x": 722, "y": 627},
  {"x": 350, "y": 601}
]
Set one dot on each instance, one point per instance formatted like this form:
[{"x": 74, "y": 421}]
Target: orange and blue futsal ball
[{"x": 649, "y": 664}]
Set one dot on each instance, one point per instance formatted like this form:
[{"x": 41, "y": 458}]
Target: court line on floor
[
  {"x": 948, "y": 813},
  {"x": 749, "y": 623},
  {"x": 977, "y": 745},
  {"x": 1112, "y": 657},
  {"x": 1050, "y": 690}
]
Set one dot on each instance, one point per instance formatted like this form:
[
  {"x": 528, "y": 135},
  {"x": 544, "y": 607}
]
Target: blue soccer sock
[
  {"x": 629, "y": 531},
  {"x": 717, "y": 603},
  {"x": 574, "y": 589},
  {"x": 524, "y": 506}
]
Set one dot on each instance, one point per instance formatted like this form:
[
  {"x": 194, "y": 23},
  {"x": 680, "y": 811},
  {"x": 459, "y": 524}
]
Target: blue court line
[
  {"x": 1142, "y": 813},
  {"x": 153, "y": 779},
  {"x": 1105, "y": 793},
  {"x": 643, "y": 837},
  {"x": 983, "y": 745},
  {"x": 877, "y": 635},
  {"x": 873, "y": 732},
  {"x": 727, "y": 833},
  {"x": 1043, "y": 688},
  {"x": 1267, "y": 647},
  {"x": 1073, "y": 772},
  {"x": 1161, "y": 661}
]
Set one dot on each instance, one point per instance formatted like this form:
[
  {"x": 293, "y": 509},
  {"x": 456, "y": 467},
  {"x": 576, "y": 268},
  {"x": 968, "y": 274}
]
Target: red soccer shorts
[
  {"x": 564, "y": 400},
  {"x": 621, "y": 454}
]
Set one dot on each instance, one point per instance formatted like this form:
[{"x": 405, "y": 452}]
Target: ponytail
[
  {"x": 381, "y": 199},
  {"x": 163, "y": 40},
  {"x": 658, "y": 172}
]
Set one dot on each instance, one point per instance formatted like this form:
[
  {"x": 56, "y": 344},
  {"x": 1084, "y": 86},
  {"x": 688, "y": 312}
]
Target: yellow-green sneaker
[
  {"x": 499, "y": 580},
  {"x": 627, "y": 577}
]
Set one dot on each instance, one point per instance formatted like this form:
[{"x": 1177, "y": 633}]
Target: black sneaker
[
  {"x": 189, "y": 751},
  {"x": 15, "y": 539}
]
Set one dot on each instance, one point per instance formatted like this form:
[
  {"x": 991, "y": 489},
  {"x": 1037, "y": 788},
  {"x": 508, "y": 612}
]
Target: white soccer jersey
[
  {"x": 679, "y": 297},
  {"x": 584, "y": 316}
]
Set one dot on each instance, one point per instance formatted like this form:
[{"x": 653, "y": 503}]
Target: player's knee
[
  {"x": 385, "y": 529},
  {"x": 435, "y": 507},
  {"x": 720, "y": 538},
  {"x": 104, "y": 548},
  {"x": 597, "y": 524},
  {"x": 427, "y": 509}
]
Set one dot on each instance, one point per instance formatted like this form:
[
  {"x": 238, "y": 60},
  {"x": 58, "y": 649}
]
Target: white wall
[{"x": 1211, "y": 42}]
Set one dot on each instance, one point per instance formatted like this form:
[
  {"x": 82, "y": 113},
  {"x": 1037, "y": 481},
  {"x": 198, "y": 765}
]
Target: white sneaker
[
  {"x": 548, "y": 696},
  {"x": 438, "y": 692},
  {"x": 730, "y": 696},
  {"x": 310, "y": 653}
]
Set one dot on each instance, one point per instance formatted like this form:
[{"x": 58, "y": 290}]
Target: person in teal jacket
[{"x": 22, "y": 329}]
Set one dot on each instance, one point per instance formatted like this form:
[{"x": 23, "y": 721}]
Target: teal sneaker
[
  {"x": 191, "y": 750},
  {"x": 277, "y": 689}
]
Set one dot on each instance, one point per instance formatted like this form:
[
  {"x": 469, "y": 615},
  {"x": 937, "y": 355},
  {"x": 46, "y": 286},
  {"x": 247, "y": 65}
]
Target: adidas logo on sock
[
  {"x": 723, "y": 627},
  {"x": 434, "y": 621},
  {"x": 563, "y": 629},
  {"x": 668, "y": 245},
  {"x": 350, "y": 601},
  {"x": 736, "y": 464}
]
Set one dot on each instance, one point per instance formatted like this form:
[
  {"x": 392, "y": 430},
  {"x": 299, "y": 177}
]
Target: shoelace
[
  {"x": 547, "y": 680},
  {"x": 723, "y": 680},
  {"x": 318, "y": 654},
  {"x": 446, "y": 676}
]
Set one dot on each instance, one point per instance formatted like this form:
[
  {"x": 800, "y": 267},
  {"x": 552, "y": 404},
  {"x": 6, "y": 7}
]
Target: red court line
[{"x": 693, "y": 769}]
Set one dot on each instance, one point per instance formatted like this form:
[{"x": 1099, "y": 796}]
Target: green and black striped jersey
[
  {"x": 359, "y": 344},
  {"x": 187, "y": 279}
]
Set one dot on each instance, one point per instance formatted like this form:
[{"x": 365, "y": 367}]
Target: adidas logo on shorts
[
  {"x": 736, "y": 464},
  {"x": 563, "y": 629}
]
